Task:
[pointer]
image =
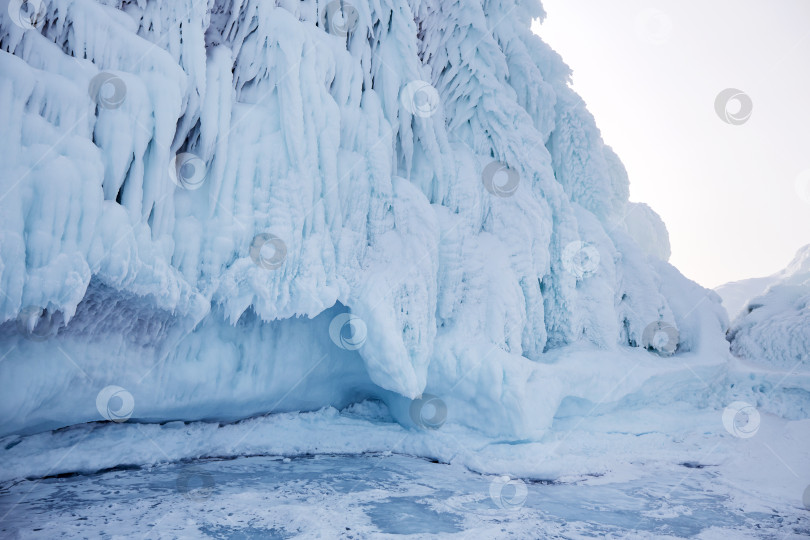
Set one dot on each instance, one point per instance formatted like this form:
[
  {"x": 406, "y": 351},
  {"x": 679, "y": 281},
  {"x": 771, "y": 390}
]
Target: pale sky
[{"x": 650, "y": 70}]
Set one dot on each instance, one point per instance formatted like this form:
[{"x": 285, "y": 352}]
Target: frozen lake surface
[{"x": 375, "y": 496}]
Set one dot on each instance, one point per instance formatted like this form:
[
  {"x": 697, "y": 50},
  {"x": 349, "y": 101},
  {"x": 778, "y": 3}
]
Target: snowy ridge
[
  {"x": 774, "y": 327},
  {"x": 373, "y": 188},
  {"x": 736, "y": 294}
]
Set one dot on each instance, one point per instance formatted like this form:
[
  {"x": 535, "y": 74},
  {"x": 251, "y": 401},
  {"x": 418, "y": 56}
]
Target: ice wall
[{"x": 227, "y": 171}]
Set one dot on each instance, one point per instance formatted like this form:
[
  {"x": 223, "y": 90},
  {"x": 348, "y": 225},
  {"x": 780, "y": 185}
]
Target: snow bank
[{"x": 774, "y": 327}]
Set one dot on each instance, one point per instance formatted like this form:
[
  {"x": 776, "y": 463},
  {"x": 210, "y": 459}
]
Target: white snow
[
  {"x": 381, "y": 496},
  {"x": 737, "y": 294},
  {"x": 192, "y": 191},
  {"x": 774, "y": 327}
]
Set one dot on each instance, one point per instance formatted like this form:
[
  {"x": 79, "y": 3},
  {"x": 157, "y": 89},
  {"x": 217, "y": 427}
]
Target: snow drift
[{"x": 774, "y": 327}]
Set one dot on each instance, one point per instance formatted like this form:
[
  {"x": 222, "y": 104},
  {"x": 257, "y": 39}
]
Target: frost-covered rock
[
  {"x": 774, "y": 327},
  {"x": 228, "y": 175},
  {"x": 736, "y": 294}
]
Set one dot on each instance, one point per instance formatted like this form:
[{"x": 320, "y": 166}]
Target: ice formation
[
  {"x": 773, "y": 329},
  {"x": 192, "y": 191},
  {"x": 736, "y": 294}
]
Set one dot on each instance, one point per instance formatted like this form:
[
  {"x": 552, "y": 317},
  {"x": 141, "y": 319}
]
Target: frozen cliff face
[
  {"x": 774, "y": 327},
  {"x": 191, "y": 192}
]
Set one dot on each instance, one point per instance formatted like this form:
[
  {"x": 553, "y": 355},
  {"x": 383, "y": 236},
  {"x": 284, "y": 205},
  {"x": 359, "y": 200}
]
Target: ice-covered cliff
[{"x": 192, "y": 191}]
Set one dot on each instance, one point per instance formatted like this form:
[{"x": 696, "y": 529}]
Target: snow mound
[
  {"x": 774, "y": 327},
  {"x": 736, "y": 294}
]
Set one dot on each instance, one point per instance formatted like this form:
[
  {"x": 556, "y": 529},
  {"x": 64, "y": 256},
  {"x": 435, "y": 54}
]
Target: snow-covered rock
[
  {"x": 736, "y": 294},
  {"x": 774, "y": 327}
]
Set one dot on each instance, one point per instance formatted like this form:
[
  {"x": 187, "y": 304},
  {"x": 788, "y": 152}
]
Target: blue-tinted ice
[{"x": 371, "y": 496}]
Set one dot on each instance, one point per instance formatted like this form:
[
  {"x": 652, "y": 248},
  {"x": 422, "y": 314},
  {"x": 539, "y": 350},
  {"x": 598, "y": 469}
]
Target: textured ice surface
[
  {"x": 192, "y": 193},
  {"x": 774, "y": 327},
  {"x": 736, "y": 294},
  {"x": 426, "y": 169},
  {"x": 765, "y": 470},
  {"x": 373, "y": 496}
]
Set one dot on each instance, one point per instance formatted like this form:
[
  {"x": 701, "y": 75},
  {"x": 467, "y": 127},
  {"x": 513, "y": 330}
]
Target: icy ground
[
  {"x": 380, "y": 496},
  {"x": 351, "y": 474}
]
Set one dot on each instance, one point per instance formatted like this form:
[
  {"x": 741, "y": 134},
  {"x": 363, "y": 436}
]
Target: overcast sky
[{"x": 650, "y": 71}]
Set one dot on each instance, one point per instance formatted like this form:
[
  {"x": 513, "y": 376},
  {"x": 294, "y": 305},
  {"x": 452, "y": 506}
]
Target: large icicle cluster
[{"x": 421, "y": 163}]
